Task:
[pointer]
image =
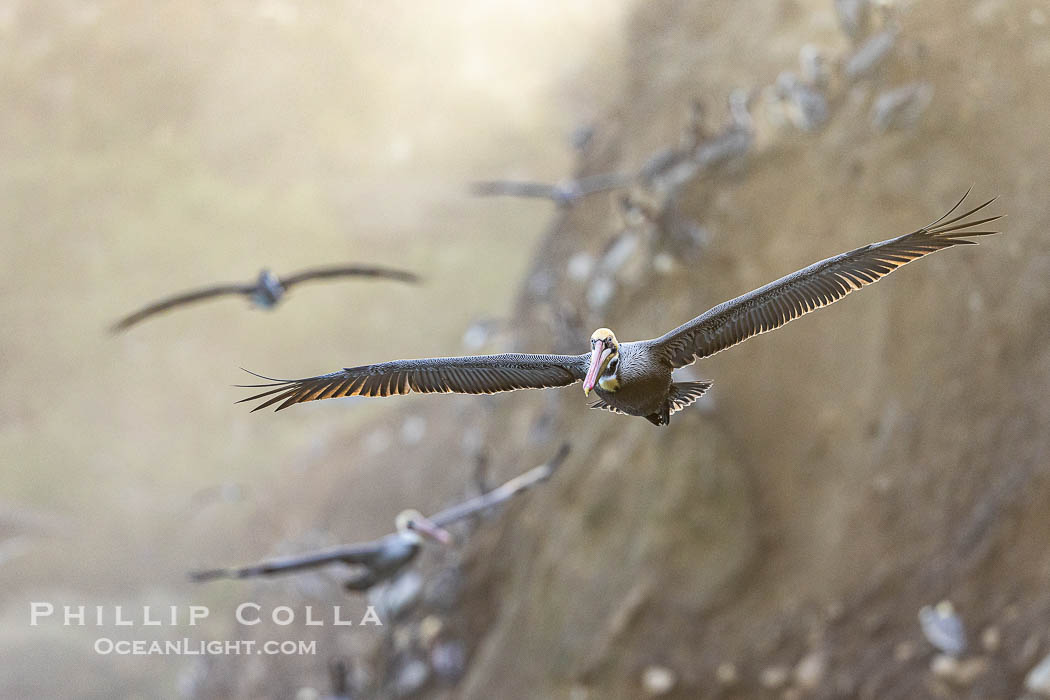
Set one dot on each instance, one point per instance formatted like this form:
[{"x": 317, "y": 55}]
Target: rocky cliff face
[
  {"x": 878, "y": 456},
  {"x": 885, "y": 453}
]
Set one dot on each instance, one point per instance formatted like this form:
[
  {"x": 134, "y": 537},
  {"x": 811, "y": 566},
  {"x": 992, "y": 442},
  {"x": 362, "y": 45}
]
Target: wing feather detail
[
  {"x": 483, "y": 374},
  {"x": 812, "y": 288}
]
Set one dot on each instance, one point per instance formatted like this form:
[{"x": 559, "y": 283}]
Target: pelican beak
[
  {"x": 432, "y": 531},
  {"x": 599, "y": 357}
]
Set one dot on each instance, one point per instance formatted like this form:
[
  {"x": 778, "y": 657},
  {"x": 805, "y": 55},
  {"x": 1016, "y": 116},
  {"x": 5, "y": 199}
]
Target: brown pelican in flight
[
  {"x": 635, "y": 377},
  {"x": 267, "y": 290},
  {"x": 564, "y": 193},
  {"x": 382, "y": 559}
]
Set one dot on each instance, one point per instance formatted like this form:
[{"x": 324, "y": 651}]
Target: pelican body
[{"x": 634, "y": 378}]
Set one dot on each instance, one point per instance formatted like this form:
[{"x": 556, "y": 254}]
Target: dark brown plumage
[
  {"x": 265, "y": 292},
  {"x": 812, "y": 288},
  {"x": 482, "y": 374},
  {"x": 635, "y": 377}
]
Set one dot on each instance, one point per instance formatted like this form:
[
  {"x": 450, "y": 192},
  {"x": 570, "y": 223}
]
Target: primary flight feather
[{"x": 634, "y": 378}]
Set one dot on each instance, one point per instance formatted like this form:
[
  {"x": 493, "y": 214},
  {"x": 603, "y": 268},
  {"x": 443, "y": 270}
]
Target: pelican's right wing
[
  {"x": 321, "y": 273},
  {"x": 481, "y": 374},
  {"x": 812, "y": 288},
  {"x": 602, "y": 182},
  {"x": 178, "y": 300}
]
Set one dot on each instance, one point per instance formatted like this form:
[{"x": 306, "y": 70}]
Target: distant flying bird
[
  {"x": 634, "y": 378},
  {"x": 267, "y": 290},
  {"x": 564, "y": 194},
  {"x": 382, "y": 559}
]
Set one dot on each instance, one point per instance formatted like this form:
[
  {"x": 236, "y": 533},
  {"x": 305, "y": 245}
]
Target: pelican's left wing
[
  {"x": 811, "y": 288},
  {"x": 320, "y": 273},
  {"x": 344, "y": 554},
  {"x": 512, "y": 488},
  {"x": 481, "y": 374}
]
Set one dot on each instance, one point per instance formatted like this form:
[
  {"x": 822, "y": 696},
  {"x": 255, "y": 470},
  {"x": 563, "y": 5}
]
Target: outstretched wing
[
  {"x": 482, "y": 374},
  {"x": 179, "y": 300},
  {"x": 510, "y": 188},
  {"x": 811, "y": 288},
  {"x": 321, "y": 273},
  {"x": 603, "y": 182},
  {"x": 345, "y": 554},
  {"x": 512, "y": 488}
]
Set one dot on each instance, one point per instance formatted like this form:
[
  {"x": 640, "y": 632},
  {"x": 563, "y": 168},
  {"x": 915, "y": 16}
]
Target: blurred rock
[
  {"x": 901, "y": 107},
  {"x": 399, "y": 595},
  {"x": 726, "y": 673},
  {"x": 943, "y": 628},
  {"x": 581, "y": 137},
  {"x": 191, "y": 679},
  {"x": 472, "y": 440},
  {"x": 1030, "y": 648},
  {"x": 412, "y": 674},
  {"x": 480, "y": 332},
  {"x": 540, "y": 283},
  {"x": 854, "y": 17},
  {"x": 619, "y": 253},
  {"x": 810, "y": 670},
  {"x": 961, "y": 673},
  {"x": 870, "y": 56},
  {"x": 774, "y": 677},
  {"x": 735, "y": 140},
  {"x": 15, "y": 547},
  {"x": 658, "y": 680},
  {"x": 658, "y": 164},
  {"x": 378, "y": 441},
  {"x": 340, "y": 679},
  {"x": 904, "y": 651},
  {"x": 600, "y": 292},
  {"x": 449, "y": 659},
  {"x": 688, "y": 240},
  {"x": 991, "y": 639},
  {"x": 579, "y": 266},
  {"x": 413, "y": 430},
  {"x": 443, "y": 588},
  {"x": 813, "y": 66},
  {"x": 663, "y": 263},
  {"x": 806, "y": 108},
  {"x": 429, "y": 629},
  {"x": 1038, "y": 679}
]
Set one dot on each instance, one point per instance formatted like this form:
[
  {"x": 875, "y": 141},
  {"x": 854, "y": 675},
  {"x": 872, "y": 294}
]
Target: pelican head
[
  {"x": 412, "y": 522},
  {"x": 605, "y": 360}
]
